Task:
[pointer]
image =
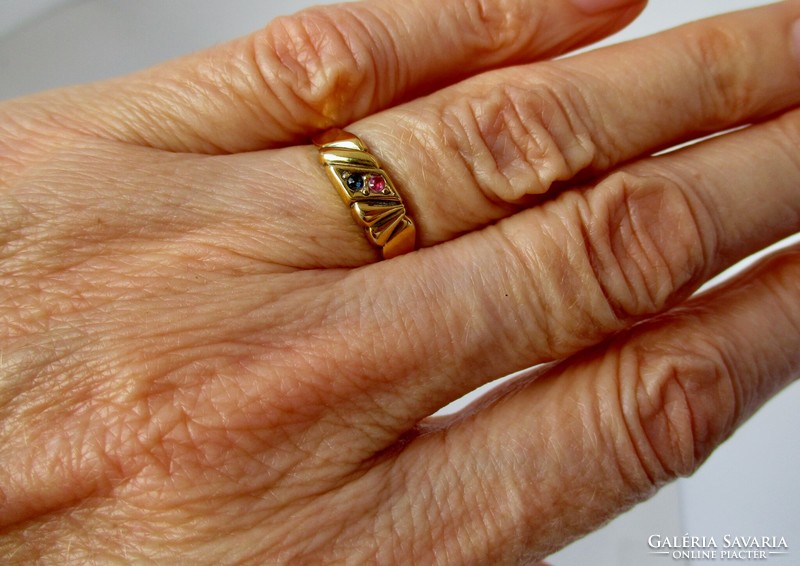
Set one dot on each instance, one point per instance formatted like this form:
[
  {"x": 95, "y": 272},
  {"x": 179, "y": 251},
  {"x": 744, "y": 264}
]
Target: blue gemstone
[{"x": 355, "y": 182}]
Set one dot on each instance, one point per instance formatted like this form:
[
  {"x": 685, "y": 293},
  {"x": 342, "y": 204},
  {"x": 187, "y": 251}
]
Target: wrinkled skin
[{"x": 202, "y": 360}]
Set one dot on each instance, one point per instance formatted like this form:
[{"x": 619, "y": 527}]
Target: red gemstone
[{"x": 377, "y": 184}]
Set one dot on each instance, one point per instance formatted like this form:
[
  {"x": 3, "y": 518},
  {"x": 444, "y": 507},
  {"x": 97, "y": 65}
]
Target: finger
[
  {"x": 471, "y": 154},
  {"x": 515, "y": 133},
  {"x": 560, "y": 456},
  {"x": 556, "y": 279},
  {"x": 328, "y": 66}
]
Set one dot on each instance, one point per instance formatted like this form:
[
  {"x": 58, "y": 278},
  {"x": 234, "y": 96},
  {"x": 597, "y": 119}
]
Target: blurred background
[{"x": 749, "y": 487}]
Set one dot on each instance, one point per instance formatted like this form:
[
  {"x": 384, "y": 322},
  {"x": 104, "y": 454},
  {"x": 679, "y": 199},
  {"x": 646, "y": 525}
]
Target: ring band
[{"x": 368, "y": 191}]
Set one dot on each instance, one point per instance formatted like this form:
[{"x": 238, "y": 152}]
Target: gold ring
[{"x": 368, "y": 191}]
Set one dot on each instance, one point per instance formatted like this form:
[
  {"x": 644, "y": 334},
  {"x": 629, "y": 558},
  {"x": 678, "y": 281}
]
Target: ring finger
[{"x": 476, "y": 152}]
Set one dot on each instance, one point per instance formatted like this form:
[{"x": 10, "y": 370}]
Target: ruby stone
[{"x": 377, "y": 184}]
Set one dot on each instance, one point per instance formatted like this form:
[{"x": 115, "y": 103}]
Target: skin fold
[{"x": 203, "y": 361}]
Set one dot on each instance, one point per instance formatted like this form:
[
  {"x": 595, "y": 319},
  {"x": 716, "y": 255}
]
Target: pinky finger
[{"x": 559, "y": 456}]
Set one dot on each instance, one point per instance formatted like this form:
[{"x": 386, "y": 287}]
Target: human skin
[{"x": 202, "y": 360}]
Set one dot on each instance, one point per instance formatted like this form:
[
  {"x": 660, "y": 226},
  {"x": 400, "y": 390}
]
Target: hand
[{"x": 202, "y": 360}]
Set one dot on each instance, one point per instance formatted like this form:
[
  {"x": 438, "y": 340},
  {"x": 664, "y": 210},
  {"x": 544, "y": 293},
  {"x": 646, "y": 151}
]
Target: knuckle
[
  {"x": 317, "y": 64},
  {"x": 645, "y": 244},
  {"x": 677, "y": 406},
  {"x": 728, "y": 85},
  {"x": 515, "y": 142},
  {"x": 499, "y": 27}
]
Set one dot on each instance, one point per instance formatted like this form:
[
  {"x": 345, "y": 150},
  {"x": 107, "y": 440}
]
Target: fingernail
[{"x": 597, "y": 6}]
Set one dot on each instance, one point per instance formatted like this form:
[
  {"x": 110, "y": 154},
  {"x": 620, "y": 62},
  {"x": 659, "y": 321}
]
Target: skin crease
[{"x": 202, "y": 361}]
